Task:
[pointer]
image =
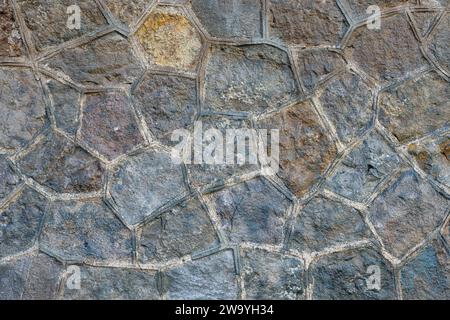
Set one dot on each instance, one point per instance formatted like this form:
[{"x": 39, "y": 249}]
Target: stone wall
[{"x": 93, "y": 207}]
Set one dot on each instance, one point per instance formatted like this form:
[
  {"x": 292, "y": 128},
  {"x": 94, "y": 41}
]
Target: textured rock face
[
  {"x": 359, "y": 8},
  {"x": 248, "y": 79},
  {"x": 127, "y": 11},
  {"x": 11, "y": 44},
  {"x": 437, "y": 46},
  {"x": 22, "y": 108},
  {"x": 169, "y": 39},
  {"x": 8, "y": 179},
  {"x": 406, "y": 212}
]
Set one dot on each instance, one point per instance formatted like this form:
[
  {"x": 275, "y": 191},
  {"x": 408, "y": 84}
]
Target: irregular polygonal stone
[
  {"x": 325, "y": 223},
  {"x": 359, "y": 9},
  {"x": 439, "y": 43},
  {"x": 348, "y": 104},
  {"x": 114, "y": 284},
  {"x": 416, "y": 107},
  {"x": 183, "y": 230},
  {"x": 307, "y": 23},
  {"x": 62, "y": 166},
  {"x": 8, "y": 179},
  {"x": 11, "y": 44},
  {"x": 359, "y": 174},
  {"x": 108, "y": 60},
  {"x": 305, "y": 149},
  {"x": 34, "y": 277},
  {"x": 210, "y": 278},
  {"x": 85, "y": 231},
  {"x": 316, "y": 64},
  {"x": 252, "y": 211},
  {"x": 230, "y": 19},
  {"x": 141, "y": 185},
  {"x": 406, "y": 212},
  {"x": 127, "y": 11},
  {"x": 248, "y": 78},
  {"x": 109, "y": 124},
  {"x": 424, "y": 20},
  {"x": 434, "y": 3},
  {"x": 427, "y": 276},
  {"x": 20, "y": 221},
  {"x": 272, "y": 276},
  {"x": 170, "y": 39},
  {"x": 386, "y": 54},
  {"x": 167, "y": 103},
  {"x": 22, "y": 107},
  {"x": 66, "y": 105},
  {"x": 433, "y": 157},
  {"x": 49, "y": 22},
  {"x": 353, "y": 275}
]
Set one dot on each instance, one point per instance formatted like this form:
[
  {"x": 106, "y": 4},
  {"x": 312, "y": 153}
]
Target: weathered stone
[
  {"x": 20, "y": 222},
  {"x": 66, "y": 105},
  {"x": 62, "y": 166},
  {"x": 416, "y": 107},
  {"x": 348, "y": 104},
  {"x": 439, "y": 43},
  {"x": 434, "y": 3},
  {"x": 48, "y": 20},
  {"x": 144, "y": 183},
  {"x": 225, "y": 19},
  {"x": 427, "y": 276},
  {"x": 183, "y": 230},
  {"x": 114, "y": 284},
  {"x": 22, "y": 108},
  {"x": 167, "y": 103},
  {"x": 9, "y": 180},
  {"x": 169, "y": 39},
  {"x": 210, "y": 278},
  {"x": 34, "y": 277},
  {"x": 406, "y": 212},
  {"x": 108, "y": 60},
  {"x": 359, "y": 174},
  {"x": 424, "y": 20},
  {"x": 326, "y": 223},
  {"x": 305, "y": 149},
  {"x": 307, "y": 23},
  {"x": 250, "y": 78},
  {"x": 446, "y": 233},
  {"x": 387, "y": 54},
  {"x": 352, "y": 275},
  {"x": 109, "y": 124},
  {"x": 359, "y": 8},
  {"x": 272, "y": 276},
  {"x": 11, "y": 44},
  {"x": 316, "y": 64},
  {"x": 127, "y": 12},
  {"x": 252, "y": 211},
  {"x": 433, "y": 157},
  {"x": 85, "y": 231}
]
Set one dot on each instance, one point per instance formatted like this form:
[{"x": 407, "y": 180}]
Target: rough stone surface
[
  {"x": 85, "y": 231},
  {"x": 272, "y": 276},
  {"x": 359, "y": 174},
  {"x": 181, "y": 231},
  {"x": 416, "y": 107},
  {"x": 108, "y": 60},
  {"x": 21, "y": 106},
  {"x": 307, "y": 23},
  {"x": 225, "y": 19},
  {"x": 346, "y": 275},
  {"x": 253, "y": 211},
  {"x": 62, "y": 166},
  {"x": 9, "y": 180},
  {"x": 167, "y": 103},
  {"x": 140, "y": 185},
  {"x": 358, "y": 8},
  {"x": 305, "y": 149},
  {"x": 387, "y": 54},
  {"x": 169, "y": 39},
  {"x": 248, "y": 79},
  {"x": 114, "y": 284},
  {"x": 127, "y": 11},
  {"x": 438, "y": 47},
  {"x": 109, "y": 124},
  {"x": 325, "y": 223},
  {"x": 424, "y": 20},
  {"x": 11, "y": 44},
  {"x": 20, "y": 222},
  {"x": 406, "y": 212},
  {"x": 213, "y": 277}
]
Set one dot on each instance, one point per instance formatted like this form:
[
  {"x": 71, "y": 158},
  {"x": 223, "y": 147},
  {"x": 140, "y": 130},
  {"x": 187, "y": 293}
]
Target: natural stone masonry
[{"x": 359, "y": 208}]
